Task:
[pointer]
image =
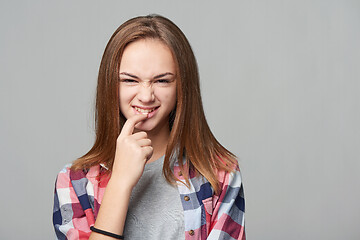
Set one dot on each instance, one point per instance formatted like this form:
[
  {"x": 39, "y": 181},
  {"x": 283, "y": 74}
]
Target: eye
[
  {"x": 163, "y": 81},
  {"x": 129, "y": 81}
]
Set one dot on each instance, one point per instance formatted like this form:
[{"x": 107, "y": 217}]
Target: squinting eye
[
  {"x": 163, "y": 81},
  {"x": 129, "y": 81}
]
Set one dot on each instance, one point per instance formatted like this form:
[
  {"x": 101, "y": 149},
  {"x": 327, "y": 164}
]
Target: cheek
[
  {"x": 168, "y": 96},
  {"x": 125, "y": 96}
]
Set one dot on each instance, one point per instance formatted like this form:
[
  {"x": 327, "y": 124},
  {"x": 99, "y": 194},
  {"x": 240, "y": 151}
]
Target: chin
[
  {"x": 146, "y": 127},
  {"x": 152, "y": 126}
]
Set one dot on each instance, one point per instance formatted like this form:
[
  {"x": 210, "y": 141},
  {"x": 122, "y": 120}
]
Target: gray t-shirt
[{"x": 155, "y": 210}]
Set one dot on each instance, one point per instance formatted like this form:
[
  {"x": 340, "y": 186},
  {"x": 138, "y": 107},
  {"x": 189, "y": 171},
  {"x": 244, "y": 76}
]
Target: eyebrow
[{"x": 156, "y": 77}]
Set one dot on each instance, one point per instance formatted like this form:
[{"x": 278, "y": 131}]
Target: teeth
[{"x": 144, "y": 111}]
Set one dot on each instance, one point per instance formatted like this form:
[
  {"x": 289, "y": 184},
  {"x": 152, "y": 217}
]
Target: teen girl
[{"x": 155, "y": 171}]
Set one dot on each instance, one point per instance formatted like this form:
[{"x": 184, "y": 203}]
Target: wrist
[{"x": 121, "y": 184}]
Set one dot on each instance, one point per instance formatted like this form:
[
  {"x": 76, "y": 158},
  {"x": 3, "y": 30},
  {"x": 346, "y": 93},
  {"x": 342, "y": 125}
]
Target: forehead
[{"x": 147, "y": 58}]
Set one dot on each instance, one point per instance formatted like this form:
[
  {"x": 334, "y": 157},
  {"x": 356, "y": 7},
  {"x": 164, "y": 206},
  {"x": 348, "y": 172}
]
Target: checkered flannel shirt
[{"x": 78, "y": 196}]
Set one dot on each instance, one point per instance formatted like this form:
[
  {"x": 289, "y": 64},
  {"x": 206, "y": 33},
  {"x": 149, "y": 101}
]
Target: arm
[
  {"x": 69, "y": 218},
  {"x": 73, "y": 215},
  {"x": 112, "y": 213},
  {"x": 72, "y": 219},
  {"x": 132, "y": 152}
]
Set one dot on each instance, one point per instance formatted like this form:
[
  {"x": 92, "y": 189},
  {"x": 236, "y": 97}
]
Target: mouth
[{"x": 145, "y": 110}]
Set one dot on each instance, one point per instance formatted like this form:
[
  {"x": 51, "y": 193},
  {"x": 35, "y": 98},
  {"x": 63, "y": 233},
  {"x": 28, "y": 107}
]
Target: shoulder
[
  {"x": 230, "y": 178},
  {"x": 227, "y": 170},
  {"x": 63, "y": 177},
  {"x": 68, "y": 176}
]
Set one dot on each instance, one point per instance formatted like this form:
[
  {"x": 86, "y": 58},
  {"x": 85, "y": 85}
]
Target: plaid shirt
[{"x": 78, "y": 195}]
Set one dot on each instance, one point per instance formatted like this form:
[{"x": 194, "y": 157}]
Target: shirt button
[
  {"x": 191, "y": 232},
  {"x": 180, "y": 173},
  {"x": 186, "y": 198}
]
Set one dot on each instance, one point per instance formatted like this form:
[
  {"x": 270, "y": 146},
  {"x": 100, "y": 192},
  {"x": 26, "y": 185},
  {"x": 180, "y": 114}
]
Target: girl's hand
[{"x": 132, "y": 152}]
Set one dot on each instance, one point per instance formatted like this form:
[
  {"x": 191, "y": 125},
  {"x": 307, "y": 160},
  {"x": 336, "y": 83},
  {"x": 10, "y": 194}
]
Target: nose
[{"x": 146, "y": 93}]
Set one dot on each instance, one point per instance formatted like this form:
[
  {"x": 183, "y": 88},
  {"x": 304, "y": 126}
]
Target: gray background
[{"x": 280, "y": 85}]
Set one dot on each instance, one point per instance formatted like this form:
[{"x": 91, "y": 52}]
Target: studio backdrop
[{"x": 280, "y": 87}]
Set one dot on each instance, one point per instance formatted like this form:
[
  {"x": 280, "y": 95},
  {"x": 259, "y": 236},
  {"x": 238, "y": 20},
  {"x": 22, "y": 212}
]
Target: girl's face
[{"x": 148, "y": 83}]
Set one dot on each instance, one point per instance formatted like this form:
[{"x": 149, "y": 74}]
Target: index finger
[{"x": 129, "y": 125}]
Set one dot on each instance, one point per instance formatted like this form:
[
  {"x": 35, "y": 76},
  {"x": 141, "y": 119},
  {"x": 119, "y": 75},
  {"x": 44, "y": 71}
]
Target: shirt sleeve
[
  {"x": 69, "y": 219},
  {"x": 228, "y": 209}
]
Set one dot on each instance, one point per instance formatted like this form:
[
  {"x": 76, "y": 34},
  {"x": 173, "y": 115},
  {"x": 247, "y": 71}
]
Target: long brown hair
[{"x": 190, "y": 134}]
